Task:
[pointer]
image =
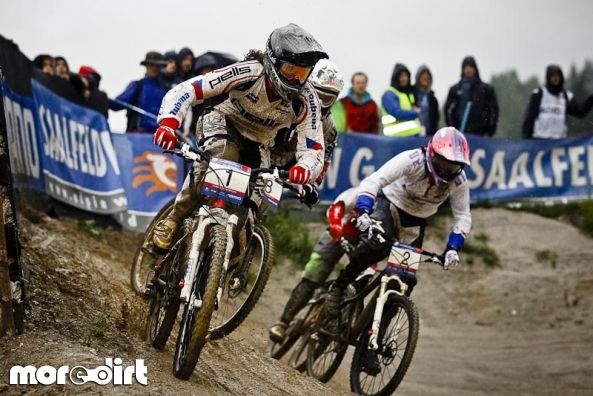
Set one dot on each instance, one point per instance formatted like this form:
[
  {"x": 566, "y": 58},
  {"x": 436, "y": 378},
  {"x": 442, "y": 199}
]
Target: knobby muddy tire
[
  {"x": 183, "y": 367},
  {"x": 164, "y": 331},
  {"x": 139, "y": 284},
  {"x": 264, "y": 274}
]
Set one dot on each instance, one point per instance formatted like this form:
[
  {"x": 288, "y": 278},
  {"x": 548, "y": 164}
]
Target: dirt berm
[{"x": 525, "y": 327}]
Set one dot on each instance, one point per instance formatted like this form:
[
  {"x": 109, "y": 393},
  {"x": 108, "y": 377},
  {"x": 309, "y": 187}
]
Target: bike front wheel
[
  {"x": 380, "y": 372},
  {"x": 193, "y": 330}
]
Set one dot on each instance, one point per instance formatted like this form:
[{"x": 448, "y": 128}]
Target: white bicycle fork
[
  {"x": 381, "y": 299},
  {"x": 205, "y": 219}
]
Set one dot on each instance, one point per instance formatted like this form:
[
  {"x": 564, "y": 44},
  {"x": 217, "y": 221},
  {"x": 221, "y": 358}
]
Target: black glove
[{"x": 311, "y": 196}]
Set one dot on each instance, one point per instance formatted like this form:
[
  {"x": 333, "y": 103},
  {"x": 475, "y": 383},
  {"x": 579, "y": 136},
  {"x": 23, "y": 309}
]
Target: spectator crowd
[{"x": 407, "y": 107}]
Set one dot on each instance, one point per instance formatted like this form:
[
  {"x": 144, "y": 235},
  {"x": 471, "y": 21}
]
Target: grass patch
[
  {"x": 547, "y": 256},
  {"x": 99, "y": 332},
  {"x": 480, "y": 249},
  {"x": 579, "y": 214},
  {"x": 90, "y": 227},
  {"x": 291, "y": 237}
]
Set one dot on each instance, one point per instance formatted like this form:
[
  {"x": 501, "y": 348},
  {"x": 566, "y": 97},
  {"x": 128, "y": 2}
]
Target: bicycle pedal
[{"x": 149, "y": 291}]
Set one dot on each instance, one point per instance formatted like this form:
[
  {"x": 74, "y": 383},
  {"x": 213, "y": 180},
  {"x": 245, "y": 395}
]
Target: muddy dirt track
[{"x": 523, "y": 328}]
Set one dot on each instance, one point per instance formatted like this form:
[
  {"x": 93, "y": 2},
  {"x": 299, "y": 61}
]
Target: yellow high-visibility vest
[{"x": 395, "y": 128}]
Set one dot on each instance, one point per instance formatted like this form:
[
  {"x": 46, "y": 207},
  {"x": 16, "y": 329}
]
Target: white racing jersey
[
  {"x": 284, "y": 154},
  {"x": 405, "y": 181},
  {"x": 249, "y": 111}
]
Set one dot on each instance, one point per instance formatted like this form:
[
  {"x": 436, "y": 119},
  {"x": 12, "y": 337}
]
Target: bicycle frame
[{"x": 377, "y": 303}]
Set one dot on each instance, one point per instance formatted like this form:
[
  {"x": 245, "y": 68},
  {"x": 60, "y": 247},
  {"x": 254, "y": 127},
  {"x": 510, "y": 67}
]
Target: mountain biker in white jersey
[
  {"x": 328, "y": 83},
  {"x": 257, "y": 99},
  {"x": 401, "y": 195}
]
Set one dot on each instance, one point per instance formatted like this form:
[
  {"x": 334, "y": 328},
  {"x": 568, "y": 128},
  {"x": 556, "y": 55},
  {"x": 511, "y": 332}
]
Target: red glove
[
  {"x": 298, "y": 174},
  {"x": 165, "y": 134}
]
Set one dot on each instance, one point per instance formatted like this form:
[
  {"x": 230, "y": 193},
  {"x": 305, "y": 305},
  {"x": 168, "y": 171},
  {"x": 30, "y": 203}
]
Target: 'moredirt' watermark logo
[{"x": 111, "y": 373}]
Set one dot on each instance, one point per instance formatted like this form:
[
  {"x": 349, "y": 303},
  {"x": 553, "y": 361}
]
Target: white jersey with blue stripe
[{"x": 405, "y": 181}]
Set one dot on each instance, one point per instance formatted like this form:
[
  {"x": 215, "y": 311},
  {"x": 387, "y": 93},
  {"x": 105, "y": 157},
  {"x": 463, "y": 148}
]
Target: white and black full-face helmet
[
  {"x": 327, "y": 81},
  {"x": 290, "y": 56}
]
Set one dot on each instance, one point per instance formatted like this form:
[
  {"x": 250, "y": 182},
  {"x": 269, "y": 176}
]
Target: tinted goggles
[
  {"x": 293, "y": 74},
  {"x": 445, "y": 169}
]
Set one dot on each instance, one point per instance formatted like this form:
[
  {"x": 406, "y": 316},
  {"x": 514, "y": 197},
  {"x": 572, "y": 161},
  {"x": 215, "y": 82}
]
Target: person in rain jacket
[
  {"x": 399, "y": 113},
  {"x": 471, "y": 104},
  {"x": 426, "y": 101},
  {"x": 548, "y": 106},
  {"x": 357, "y": 112}
]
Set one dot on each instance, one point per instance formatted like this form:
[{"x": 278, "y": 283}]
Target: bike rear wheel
[
  {"x": 298, "y": 357},
  {"x": 398, "y": 335},
  {"x": 160, "y": 321},
  {"x": 327, "y": 345},
  {"x": 193, "y": 330},
  {"x": 251, "y": 275},
  {"x": 164, "y": 301},
  {"x": 145, "y": 257}
]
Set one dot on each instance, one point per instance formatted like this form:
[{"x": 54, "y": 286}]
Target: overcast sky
[{"x": 369, "y": 35}]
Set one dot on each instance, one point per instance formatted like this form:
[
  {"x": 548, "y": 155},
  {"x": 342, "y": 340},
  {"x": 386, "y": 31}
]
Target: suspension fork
[
  {"x": 230, "y": 243},
  {"x": 194, "y": 255},
  {"x": 381, "y": 299}
]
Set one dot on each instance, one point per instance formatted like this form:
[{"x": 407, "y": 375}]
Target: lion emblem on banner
[{"x": 157, "y": 169}]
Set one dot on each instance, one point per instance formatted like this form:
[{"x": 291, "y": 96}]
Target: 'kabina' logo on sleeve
[{"x": 158, "y": 170}]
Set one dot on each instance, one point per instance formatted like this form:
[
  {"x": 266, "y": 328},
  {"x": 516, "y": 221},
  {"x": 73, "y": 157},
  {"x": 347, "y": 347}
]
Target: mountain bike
[
  {"x": 220, "y": 261},
  {"x": 384, "y": 328}
]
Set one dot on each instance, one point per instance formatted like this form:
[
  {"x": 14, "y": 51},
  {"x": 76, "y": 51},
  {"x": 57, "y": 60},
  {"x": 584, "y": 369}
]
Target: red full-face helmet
[{"x": 447, "y": 154}]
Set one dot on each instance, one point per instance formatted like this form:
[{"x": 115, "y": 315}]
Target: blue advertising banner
[
  {"x": 68, "y": 151},
  {"x": 150, "y": 178},
  {"x": 23, "y": 130},
  {"x": 502, "y": 169},
  {"x": 79, "y": 162}
]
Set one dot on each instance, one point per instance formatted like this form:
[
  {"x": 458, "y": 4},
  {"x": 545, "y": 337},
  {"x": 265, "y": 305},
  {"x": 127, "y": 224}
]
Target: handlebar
[
  {"x": 282, "y": 174},
  {"x": 185, "y": 151},
  {"x": 434, "y": 258}
]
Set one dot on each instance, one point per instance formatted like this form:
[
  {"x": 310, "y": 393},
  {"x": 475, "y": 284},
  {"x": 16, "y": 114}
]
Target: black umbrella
[{"x": 213, "y": 59}]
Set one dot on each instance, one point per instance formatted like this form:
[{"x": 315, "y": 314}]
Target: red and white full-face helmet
[{"x": 446, "y": 155}]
